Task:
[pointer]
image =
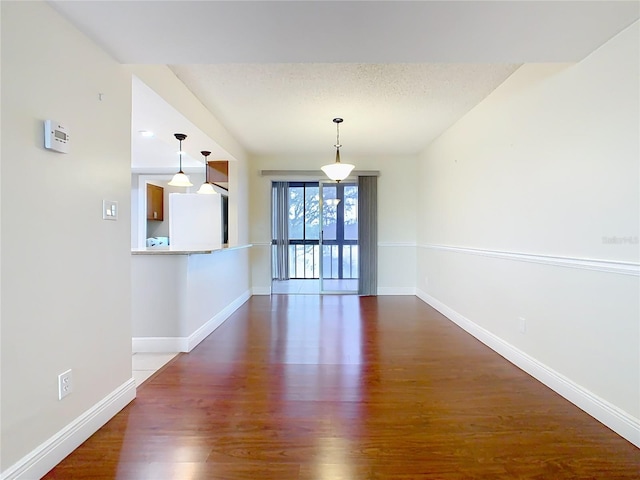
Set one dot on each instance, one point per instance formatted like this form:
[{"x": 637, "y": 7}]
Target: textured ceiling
[
  {"x": 399, "y": 72},
  {"x": 386, "y": 108}
]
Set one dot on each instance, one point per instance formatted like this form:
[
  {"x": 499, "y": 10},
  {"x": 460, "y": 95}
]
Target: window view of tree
[
  {"x": 312, "y": 213},
  {"x": 339, "y": 230},
  {"x": 351, "y": 212},
  {"x": 340, "y": 226},
  {"x": 296, "y": 212}
]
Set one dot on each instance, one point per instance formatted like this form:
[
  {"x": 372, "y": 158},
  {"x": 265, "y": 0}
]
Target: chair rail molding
[
  {"x": 398, "y": 244},
  {"x": 606, "y": 266}
]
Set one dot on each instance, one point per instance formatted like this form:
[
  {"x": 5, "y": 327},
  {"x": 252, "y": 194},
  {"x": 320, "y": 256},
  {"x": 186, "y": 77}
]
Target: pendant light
[
  {"x": 206, "y": 188},
  {"x": 180, "y": 179},
  {"x": 337, "y": 171}
]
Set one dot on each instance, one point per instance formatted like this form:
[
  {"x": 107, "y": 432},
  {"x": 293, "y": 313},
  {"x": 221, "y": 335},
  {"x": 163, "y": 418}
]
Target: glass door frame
[{"x": 339, "y": 228}]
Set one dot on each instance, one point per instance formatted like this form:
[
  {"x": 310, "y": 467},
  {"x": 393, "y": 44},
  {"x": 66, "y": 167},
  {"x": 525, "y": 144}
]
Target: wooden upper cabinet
[
  {"x": 219, "y": 173},
  {"x": 155, "y": 202}
]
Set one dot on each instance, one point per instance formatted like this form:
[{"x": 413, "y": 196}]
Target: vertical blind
[
  {"x": 280, "y": 226},
  {"x": 368, "y": 235}
]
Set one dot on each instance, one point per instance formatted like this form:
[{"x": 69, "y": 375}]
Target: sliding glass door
[
  {"x": 315, "y": 237},
  {"x": 339, "y": 237},
  {"x": 304, "y": 230}
]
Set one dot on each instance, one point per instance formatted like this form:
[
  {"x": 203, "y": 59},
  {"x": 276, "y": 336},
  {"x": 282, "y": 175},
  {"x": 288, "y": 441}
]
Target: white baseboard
[
  {"x": 616, "y": 419},
  {"x": 159, "y": 344},
  {"x": 186, "y": 344},
  {"x": 261, "y": 291},
  {"x": 396, "y": 291},
  {"x": 46, "y": 456},
  {"x": 204, "y": 331}
]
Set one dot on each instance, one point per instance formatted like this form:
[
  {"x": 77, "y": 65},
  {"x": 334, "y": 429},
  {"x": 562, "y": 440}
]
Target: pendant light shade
[
  {"x": 337, "y": 171},
  {"x": 180, "y": 179},
  {"x": 206, "y": 188}
]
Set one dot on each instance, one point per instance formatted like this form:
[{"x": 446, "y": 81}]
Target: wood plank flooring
[{"x": 347, "y": 388}]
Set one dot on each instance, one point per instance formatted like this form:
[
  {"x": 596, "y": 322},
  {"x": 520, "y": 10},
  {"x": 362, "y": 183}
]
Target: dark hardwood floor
[{"x": 343, "y": 387}]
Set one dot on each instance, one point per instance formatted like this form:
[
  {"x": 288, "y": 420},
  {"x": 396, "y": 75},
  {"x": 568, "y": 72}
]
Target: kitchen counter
[{"x": 169, "y": 251}]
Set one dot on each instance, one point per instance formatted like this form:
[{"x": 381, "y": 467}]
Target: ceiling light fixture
[
  {"x": 180, "y": 179},
  {"x": 337, "y": 171},
  {"x": 206, "y": 188}
]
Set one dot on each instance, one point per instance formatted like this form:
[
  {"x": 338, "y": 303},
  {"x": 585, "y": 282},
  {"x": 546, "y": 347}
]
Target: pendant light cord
[
  {"x": 206, "y": 154},
  {"x": 337, "y": 121}
]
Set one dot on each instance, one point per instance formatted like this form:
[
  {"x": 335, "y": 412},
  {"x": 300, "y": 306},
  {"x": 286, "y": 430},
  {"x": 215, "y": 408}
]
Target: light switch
[{"x": 109, "y": 210}]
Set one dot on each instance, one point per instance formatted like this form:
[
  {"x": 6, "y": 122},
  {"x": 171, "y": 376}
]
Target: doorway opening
[{"x": 315, "y": 238}]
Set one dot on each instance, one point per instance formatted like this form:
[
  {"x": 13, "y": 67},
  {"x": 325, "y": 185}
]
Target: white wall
[
  {"x": 65, "y": 271},
  {"x": 216, "y": 281},
  {"x": 177, "y": 297},
  {"x": 519, "y": 203},
  {"x": 158, "y": 287},
  {"x": 396, "y": 215}
]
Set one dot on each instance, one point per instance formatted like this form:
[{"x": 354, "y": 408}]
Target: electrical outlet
[
  {"x": 65, "y": 384},
  {"x": 522, "y": 325}
]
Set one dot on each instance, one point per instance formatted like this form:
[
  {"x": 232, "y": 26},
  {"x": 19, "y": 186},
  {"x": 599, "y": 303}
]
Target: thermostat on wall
[{"x": 56, "y": 136}]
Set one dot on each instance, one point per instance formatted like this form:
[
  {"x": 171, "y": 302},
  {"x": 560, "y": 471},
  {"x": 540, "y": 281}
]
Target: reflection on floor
[
  {"x": 296, "y": 287},
  {"x": 309, "y": 286},
  {"x": 146, "y": 364},
  {"x": 340, "y": 387}
]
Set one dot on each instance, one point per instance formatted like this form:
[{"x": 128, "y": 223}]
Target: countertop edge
[{"x": 168, "y": 251}]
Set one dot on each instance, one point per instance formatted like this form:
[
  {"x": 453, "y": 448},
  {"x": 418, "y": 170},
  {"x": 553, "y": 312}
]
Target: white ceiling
[
  {"x": 149, "y": 112},
  {"x": 275, "y": 73}
]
